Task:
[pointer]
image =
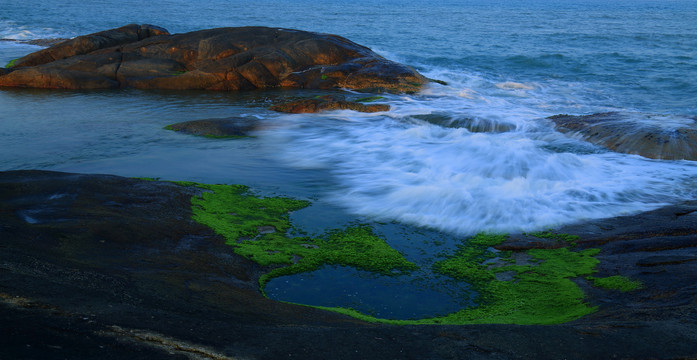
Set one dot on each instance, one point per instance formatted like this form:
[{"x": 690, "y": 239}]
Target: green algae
[
  {"x": 370, "y": 99},
  {"x": 539, "y": 290},
  {"x": 11, "y": 63},
  {"x": 356, "y": 247},
  {"x": 257, "y": 228},
  {"x": 617, "y": 282}
]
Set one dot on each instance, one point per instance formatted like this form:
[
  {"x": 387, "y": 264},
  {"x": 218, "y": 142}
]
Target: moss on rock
[
  {"x": 257, "y": 228},
  {"x": 617, "y": 282},
  {"x": 539, "y": 293}
]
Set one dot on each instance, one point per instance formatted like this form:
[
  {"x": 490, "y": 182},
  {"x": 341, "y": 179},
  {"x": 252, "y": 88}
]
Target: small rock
[
  {"x": 327, "y": 103},
  {"x": 232, "y": 127}
]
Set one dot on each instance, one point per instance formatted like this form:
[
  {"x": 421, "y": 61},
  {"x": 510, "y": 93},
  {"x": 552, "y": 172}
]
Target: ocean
[{"x": 477, "y": 154}]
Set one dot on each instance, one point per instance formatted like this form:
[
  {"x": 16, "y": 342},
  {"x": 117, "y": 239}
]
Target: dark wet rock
[
  {"x": 327, "y": 103},
  {"x": 232, "y": 127},
  {"x": 95, "y": 262},
  {"x": 4, "y": 71},
  {"x": 45, "y": 42},
  {"x": 148, "y": 57},
  {"x": 665, "y": 260},
  {"x": 652, "y": 136},
  {"x": 475, "y": 125}
]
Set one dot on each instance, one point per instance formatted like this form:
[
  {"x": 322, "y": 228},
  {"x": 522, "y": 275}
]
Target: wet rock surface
[
  {"x": 651, "y": 136},
  {"x": 233, "y": 127},
  {"x": 229, "y": 59},
  {"x": 327, "y": 103},
  {"x": 103, "y": 266}
]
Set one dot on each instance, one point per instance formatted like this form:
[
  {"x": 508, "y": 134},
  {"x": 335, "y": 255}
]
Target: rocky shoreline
[
  {"x": 98, "y": 265},
  {"x": 111, "y": 267}
]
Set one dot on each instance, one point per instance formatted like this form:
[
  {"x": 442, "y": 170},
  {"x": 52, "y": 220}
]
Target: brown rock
[
  {"x": 89, "y": 43},
  {"x": 327, "y": 103},
  {"x": 147, "y": 57}
]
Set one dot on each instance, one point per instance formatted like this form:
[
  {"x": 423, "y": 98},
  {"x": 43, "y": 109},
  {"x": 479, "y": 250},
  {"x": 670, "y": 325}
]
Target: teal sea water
[{"x": 508, "y": 65}]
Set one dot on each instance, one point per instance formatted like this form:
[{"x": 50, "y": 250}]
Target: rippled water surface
[{"x": 475, "y": 155}]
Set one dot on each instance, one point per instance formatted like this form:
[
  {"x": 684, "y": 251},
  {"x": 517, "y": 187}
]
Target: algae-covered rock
[{"x": 242, "y": 58}]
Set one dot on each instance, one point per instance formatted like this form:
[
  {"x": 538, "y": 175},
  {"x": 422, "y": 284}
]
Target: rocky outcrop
[
  {"x": 95, "y": 262},
  {"x": 327, "y": 103},
  {"x": 651, "y": 136},
  {"x": 243, "y": 58}
]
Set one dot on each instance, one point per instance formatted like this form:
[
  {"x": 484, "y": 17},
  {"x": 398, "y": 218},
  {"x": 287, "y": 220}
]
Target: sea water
[{"x": 477, "y": 154}]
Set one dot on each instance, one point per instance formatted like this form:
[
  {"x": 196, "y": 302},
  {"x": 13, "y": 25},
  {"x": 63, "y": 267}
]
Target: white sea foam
[
  {"x": 13, "y": 31},
  {"x": 398, "y": 166},
  {"x": 514, "y": 85}
]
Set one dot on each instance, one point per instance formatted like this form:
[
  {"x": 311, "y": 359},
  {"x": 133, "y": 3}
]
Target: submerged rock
[
  {"x": 243, "y": 58},
  {"x": 326, "y": 103},
  {"x": 232, "y": 127},
  {"x": 475, "y": 125},
  {"x": 651, "y": 136}
]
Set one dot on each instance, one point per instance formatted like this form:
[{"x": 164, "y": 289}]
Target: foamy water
[{"x": 422, "y": 165}]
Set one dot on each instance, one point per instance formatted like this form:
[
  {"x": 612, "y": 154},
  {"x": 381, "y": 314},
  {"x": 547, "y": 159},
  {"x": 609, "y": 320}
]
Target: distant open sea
[{"x": 511, "y": 63}]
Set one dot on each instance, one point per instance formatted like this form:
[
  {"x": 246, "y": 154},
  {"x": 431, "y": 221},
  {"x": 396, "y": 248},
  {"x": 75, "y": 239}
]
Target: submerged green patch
[
  {"x": 173, "y": 127},
  {"x": 534, "y": 287},
  {"x": 617, "y": 282}
]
